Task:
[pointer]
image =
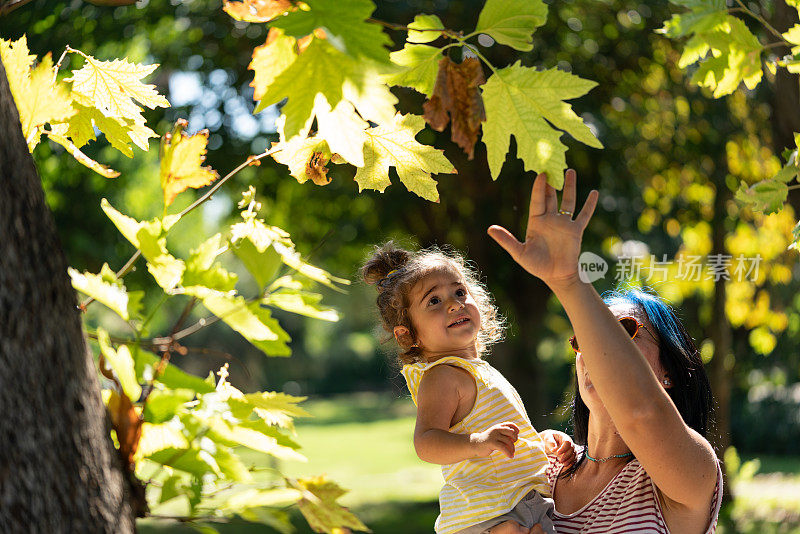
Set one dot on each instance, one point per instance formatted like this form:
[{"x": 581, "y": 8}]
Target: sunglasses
[{"x": 630, "y": 324}]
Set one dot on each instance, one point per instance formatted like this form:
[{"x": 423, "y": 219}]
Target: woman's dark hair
[
  {"x": 394, "y": 272},
  {"x": 679, "y": 357}
]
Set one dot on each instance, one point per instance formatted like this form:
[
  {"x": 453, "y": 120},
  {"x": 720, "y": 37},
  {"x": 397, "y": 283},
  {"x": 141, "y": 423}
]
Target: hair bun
[{"x": 385, "y": 259}]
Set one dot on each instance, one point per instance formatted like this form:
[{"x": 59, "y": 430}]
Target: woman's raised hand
[{"x": 553, "y": 238}]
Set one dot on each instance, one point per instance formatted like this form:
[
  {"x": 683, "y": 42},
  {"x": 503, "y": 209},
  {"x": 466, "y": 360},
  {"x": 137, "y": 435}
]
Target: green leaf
[
  {"x": 320, "y": 508},
  {"x": 231, "y": 465},
  {"x": 121, "y": 362},
  {"x": 512, "y": 22},
  {"x": 252, "y": 498},
  {"x": 271, "y": 59},
  {"x": 254, "y": 323},
  {"x": 394, "y": 145},
  {"x": 768, "y": 196},
  {"x": 736, "y": 58},
  {"x": 520, "y": 101},
  {"x": 274, "y": 408},
  {"x": 345, "y": 26},
  {"x": 202, "y": 271},
  {"x": 264, "y": 236},
  {"x": 704, "y": 16},
  {"x": 103, "y": 287},
  {"x": 172, "y": 487},
  {"x": 157, "y": 437},
  {"x": 419, "y": 63},
  {"x": 420, "y": 31},
  {"x": 195, "y": 461},
  {"x": 263, "y": 265},
  {"x": 118, "y": 130},
  {"x": 172, "y": 377},
  {"x": 787, "y": 174},
  {"x": 301, "y": 302},
  {"x": 150, "y": 238},
  {"x": 323, "y": 70},
  {"x": 343, "y": 129},
  {"x": 162, "y": 405},
  {"x": 256, "y": 438}
]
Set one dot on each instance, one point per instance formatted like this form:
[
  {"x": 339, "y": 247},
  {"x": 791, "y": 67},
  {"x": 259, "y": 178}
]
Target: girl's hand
[
  {"x": 499, "y": 437},
  {"x": 553, "y": 239},
  {"x": 559, "y": 446}
]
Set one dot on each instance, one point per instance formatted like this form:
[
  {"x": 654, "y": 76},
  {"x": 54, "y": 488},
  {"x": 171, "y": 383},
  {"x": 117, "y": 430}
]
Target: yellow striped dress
[{"x": 478, "y": 489}]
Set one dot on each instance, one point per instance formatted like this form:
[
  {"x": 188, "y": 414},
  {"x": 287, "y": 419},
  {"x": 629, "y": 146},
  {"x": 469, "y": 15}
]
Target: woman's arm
[
  {"x": 440, "y": 391},
  {"x": 680, "y": 461}
]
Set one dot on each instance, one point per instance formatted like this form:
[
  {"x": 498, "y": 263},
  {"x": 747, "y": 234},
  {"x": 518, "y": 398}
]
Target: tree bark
[
  {"x": 721, "y": 375},
  {"x": 59, "y": 471}
]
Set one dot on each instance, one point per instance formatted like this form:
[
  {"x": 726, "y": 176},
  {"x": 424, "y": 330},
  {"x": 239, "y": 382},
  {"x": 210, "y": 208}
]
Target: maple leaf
[
  {"x": 520, "y": 101},
  {"x": 306, "y": 158},
  {"x": 344, "y": 22},
  {"x": 394, "y": 145},
  {"x": 735, "y": 52},
  {"x": 320, "y": 508},
  {"x": 40, "y": 99},
  {"x": 270, "y": 59},
  {"x": 119, "y": 131},
  {"x": 323, "y": 70},
  {"x": 112, "y": 86},
  {"x": 58, "y": 134},
  {"x": 423, "y": 29},
  {"x": 181, "y": 157},
  {"x": 456, "y": 93},
  {"x": 258, "y": 10},
  {"x": 419, "y": 64},
  {"x": 512, "y": 22}
]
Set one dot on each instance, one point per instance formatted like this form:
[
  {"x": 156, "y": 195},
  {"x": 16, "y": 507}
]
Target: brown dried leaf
[
  {"x": 457, "y": 93},
  {"x": 316, "y": 169},
  {"x": 127, "y": 424},
  {"x": 258, "y": 10}
]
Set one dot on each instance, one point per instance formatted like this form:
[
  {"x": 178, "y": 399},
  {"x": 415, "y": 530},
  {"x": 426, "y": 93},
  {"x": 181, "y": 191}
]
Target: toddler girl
[{"x": 469, "y": 418}]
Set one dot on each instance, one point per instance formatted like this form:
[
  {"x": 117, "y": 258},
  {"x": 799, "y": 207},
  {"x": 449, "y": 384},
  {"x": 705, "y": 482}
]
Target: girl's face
[
  {"x": 444, "y": 314},
  {"x": 645, "y": 341}
]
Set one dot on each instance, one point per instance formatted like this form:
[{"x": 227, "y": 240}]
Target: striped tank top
[
  {"x": 629, "y": 503},
  {"x": 478, "y": 489}
]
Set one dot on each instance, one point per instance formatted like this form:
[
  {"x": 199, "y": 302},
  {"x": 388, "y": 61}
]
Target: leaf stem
[
  {"x": 58, "y": 64},
  {"x": 481, "y": 56},
  {"x": 248, "y": 161},
  {"x": 122, "y": 272},
  {"x": 451, "y": 34}
]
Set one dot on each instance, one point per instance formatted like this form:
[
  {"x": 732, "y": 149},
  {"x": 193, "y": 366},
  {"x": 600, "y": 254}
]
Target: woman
[{"x": 642, "y": 401}]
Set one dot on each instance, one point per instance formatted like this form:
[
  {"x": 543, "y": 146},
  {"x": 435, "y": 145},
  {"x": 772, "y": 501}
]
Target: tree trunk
[
  {"x": 720, "y": 333},
  {"x": 59, "y": 471}
]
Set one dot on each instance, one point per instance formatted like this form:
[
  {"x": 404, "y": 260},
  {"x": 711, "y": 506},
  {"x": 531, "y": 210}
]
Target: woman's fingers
[
  {"x": 506, "y": 240},
  {"x": 588, "y": 209},
  {"x": 568, "y": 196},
  {"x": 551, "y": 199},
  {"x": 538, "y": 205}
]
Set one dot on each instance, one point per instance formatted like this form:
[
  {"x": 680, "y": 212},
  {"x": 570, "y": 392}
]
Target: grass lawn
[{"x": 364, "y": 443}]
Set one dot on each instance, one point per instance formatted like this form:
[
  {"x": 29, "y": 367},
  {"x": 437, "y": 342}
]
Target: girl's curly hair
[{"x": 394, "y": 271}]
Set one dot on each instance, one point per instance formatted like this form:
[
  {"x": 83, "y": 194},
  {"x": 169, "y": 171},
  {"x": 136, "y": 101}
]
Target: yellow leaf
[
  {"x": 270, "y": 59},
  {"x": 112, "y": 86},
  {"x": 394, "y": 144},
  {"x": 181, "y": 157},
  {"x": 58, "y": 135},
  {"x": 39, "y": 97}
]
